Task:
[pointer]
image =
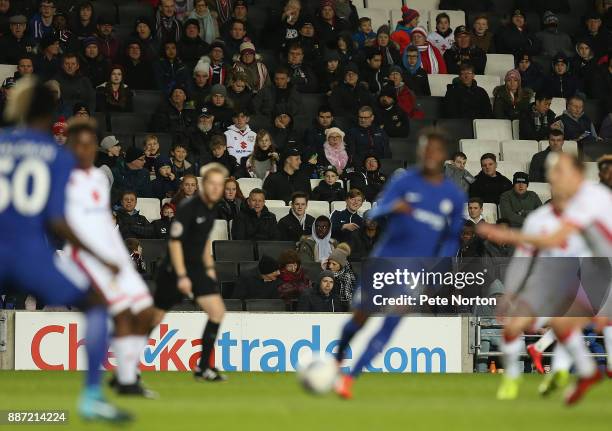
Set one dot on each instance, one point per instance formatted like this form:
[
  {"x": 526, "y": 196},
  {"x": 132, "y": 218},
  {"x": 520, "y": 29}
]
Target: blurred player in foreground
[
  {"x": 34, "y": 172},
  {"x": 89, "y": 215},
  {"x": 188, "y": 269},
  {"x": 588, "y": 213},
  {"x": 424, "y": 213}
]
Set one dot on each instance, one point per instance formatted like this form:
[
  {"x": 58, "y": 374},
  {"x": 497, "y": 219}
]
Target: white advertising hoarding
[{"x": 268, "y": 342}]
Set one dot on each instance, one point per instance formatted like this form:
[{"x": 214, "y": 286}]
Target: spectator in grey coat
[
  {"x": 516, "y": 204},
  {"x": 552, "y": 39},
  {"x": 457, "y": 173}
]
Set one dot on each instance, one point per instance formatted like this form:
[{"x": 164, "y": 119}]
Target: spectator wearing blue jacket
[
  {"x": 367, "y": 138},
  {"x": 346, "y": 221}
]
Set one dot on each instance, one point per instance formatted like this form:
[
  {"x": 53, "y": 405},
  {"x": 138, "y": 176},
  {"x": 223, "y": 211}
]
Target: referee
[{"x": 189, "y": 271}]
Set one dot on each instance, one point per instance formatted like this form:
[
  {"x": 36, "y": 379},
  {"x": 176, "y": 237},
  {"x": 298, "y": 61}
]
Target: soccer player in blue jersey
[
  {"x": 424, "y": 212},
  {"x": 34, "y": 172}
]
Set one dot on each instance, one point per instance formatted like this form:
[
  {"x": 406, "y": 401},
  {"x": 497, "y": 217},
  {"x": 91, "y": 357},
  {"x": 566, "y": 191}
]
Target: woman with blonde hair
[
  {"x": 264, "y": 158},
  {"x": 189, "y": 187},
  {"x": 511, "y": 100}
]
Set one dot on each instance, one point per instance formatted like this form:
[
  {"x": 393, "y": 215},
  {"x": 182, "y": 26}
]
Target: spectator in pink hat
[{"x": 511, "y": 100}]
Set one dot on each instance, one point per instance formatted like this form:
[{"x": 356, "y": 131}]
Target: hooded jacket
[
  {"x": 248, "y": 226},
  {"x": 505, "y": 107},
  {"x": 565, "y": 85},
  {"x": 308, "y": 247},
  {"x": 369, "y": 182},
  {"x": 290, "y": 229},
  {"x": 489, "y": 189},
  {"x": 470, "y": 102},
  {"x": 554, "y": 41}
]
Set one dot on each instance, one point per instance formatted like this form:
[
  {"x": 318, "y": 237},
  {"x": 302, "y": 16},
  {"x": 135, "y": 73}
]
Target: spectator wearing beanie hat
[
  {"x": 511, "y": 100},
  {"x": 406, "y": 99},
  {"x": 94, "y": 65},
  {"x": 347, "y": 97},
  {"x": 309, "y": 40},
  {"x": 138, "y": 68},
  {"x": 552, "y": 40},
  {"x": 532, "y": 75},
  {"x": 191, "y": 47},
  {"x": 144, "y": 34},
  {"x": 200, "y": 83},
  {"x": 46, "y": 63},
  {"x": 327, "y": 24},
  {"x": 161, "y": 227},
  {"x": 403, "y": 31},
  {"x": 561, "y": 83},
  {"x": 431, "y": 58},
  {"x": 129, "y": 174},
  {"x": 165, "y": 184},
  {"x": 394, "y": 119},
  {"x": 174, "y": 115},
  {"x": 345, "y": 281},
  {"x": 320, "y": 298},
  {"x": 367, "y": 178},
  {"x": 330, "y": 73},
  {"x": 515, "y": 37},
  {"x": 219, "y": 66},
  {"x": 250, "y": 63},
  {"x": 516, "y": 204},
  {"x": 108, "y": 44},
  {"x": 334, "y": 152},
  {"x": 240, "y": 11},
  {"x": 263, "y": 283},
  {"x": 220, "y": 106},
  {"x": 59, "y": 130},
  {"x": 596, "y": 34},
  {"x": 108, "y": 152}
]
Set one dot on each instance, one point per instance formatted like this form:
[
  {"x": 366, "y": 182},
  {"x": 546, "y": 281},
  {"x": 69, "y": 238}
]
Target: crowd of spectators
[{"x": 232, "y": 91}]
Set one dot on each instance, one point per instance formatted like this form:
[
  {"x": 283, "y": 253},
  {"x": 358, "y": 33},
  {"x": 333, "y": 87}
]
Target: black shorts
[{"x": 167, "y": 294}]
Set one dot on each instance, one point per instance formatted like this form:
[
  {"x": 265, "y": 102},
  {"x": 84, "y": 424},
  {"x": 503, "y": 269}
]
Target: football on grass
[{"x": 319, "y": 374}]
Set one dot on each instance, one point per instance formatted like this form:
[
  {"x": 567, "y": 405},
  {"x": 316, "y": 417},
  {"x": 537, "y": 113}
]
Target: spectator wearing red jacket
[
  {"x": 403, "y": 31},
  {"x": 405, "y": 97},
  {"x": 431, "y": 58},
  {"x": 292, "y": 276}
]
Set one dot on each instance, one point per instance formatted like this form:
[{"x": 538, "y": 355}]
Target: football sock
[
  {"x": 545, "y": 341},
  {"x": 376, "y": 344},
  {"x": 122, "y": 346},
  {"x": 607, "y": 333},
  {"x": 348, "y": 332},
  {"x": 511, "y": 348},
  {"x": 139, "y": 342},
  {"x": 96, "y": 342},
  {"x": 562, "y": 361},
  {"x": 574, "y": 343},
  {"x": 208, "y": 343}
]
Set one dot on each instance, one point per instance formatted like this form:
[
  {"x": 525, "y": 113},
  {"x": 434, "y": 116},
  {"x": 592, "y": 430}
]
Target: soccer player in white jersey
[
  {"x": 129, "y": 301},
  {"x": 588, "y": 212}
]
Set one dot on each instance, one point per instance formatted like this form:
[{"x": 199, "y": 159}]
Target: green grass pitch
[{"x": 258, "y": 401}]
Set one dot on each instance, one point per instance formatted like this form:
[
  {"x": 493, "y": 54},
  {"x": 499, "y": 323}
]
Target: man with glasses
[
  {"x": 15, "y": 44},
  {"x": 367, "y": 138},
  {"x": 41, "y": 23},
  {"x": 465, "y": 99}
]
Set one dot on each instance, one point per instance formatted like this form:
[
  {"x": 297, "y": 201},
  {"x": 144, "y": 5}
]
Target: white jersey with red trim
[
  {"x": 89, "y": 215},
  {"x": 590, "y": 209},
  {"x": 240, "y": 143},
  {"x": 545, "y": 221}
]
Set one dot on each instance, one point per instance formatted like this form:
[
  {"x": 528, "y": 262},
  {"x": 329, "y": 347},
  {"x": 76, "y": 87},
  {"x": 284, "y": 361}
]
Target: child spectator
[
  {"x": 532, "y": 75},
  {"x": 229, "y": 207},
  {"x": 367, "y": 178},
  {"x": 345, "y": 280},
  {"x": 219, "y": 154},
  {"x": 406, "y": 99},
  {"x": 114, "y": 95},
  {"x": 135, "y": 250},
  {"x": 151, "y": 151},
  {"x": 220, "y": 107},
  {"x": 329, "y": 189},
  {"x": 481, "y": 36},
  {"x": 561, "y": 83},
  {"x": 394, "y": 119},
  {"x": 416, "y": 77},
  {"x": 218, "y": 67},
  {"x": 59, "y": 130},
  {"x": 161, "y": 226},
  {"x": 388, "y": 48},
  {"x": 180, "y": 165},
  {"x": 403, "y": 31},
  {"x": 188, "y": 188},
  {"x": 442, "y": 38},
  {"x": 456, "y": 172},
  {"x": 364, "y": 37},
  {"x": 262, "y": 161},
  {"x": 294, "y": 280},
  {"x": 475, "y": 207},
  {"x": 552, "y": 40},
  {"x": 348, "y": 220},
  {"x": 165, "y": 184},
  {"x": 240, "y": 139},
  {"x": 240, "y": 93}
]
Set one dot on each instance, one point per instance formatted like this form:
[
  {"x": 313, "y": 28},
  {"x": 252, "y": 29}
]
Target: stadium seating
[
  {"x": 233, "y": 304},
  {"x": 591, "y": 171},
  {"x": 383, "y": 4},
  {"x": 279, "y": 211},
  {"x": 149, "y": 207},
  {"x": 499, "y": 65},
  {"x": 318, "y": 208},
  {"x": 7, "y": 71},
  {"x": 488, "y": 82},
  {"x": 396, "y": 16},
  {"x": 273, "y": 248},
  {"x": 378, "y": 16},
  {"x": 474, "y": 148},
  {"x": 247, "y": 267},
  {"x": 457, "y": 129},
  {"x": 265, "y": 305},
  {"x": 233, "y": 251},
  {"x": 271, "y": 203},
  {"x": 500, "y": 130},
  {"x": 219, "y": 231},
  {"x": 518, "y": 151},
  {"x": 541, "y": 189},
  {"x": 146, "y": 101},
  {"x": 439, "y": 82},
  {"x": 248, "y": 184},
  {"x": 431, "y": 107},
  {"x": 568, "y": 147},
  {"x": 508, "y": 169},
  {"x": 129, "y": 122},
  {"x": 558, "y": 105}
]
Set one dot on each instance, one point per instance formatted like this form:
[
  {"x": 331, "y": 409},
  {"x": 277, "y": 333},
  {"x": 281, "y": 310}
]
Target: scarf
[
  {"x": 301, "y": 220},
  {"x": 433, "y": 60},
  {"x": 291, "y": 277},
  {"x": 346, "y": 280},
  {"x": 539, "y": 120},
  {"x": 208, "y": 32},
  {"x": 323, "y": 247},
  {"x": 446, "y": 33},
  {"x": 336, "y": 156},
  {"x": 402, "y": 27},
  {"x": 412, "y": 70},
  {"x": 224, "y": 8}
]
